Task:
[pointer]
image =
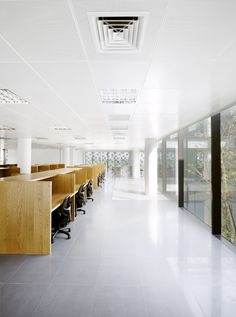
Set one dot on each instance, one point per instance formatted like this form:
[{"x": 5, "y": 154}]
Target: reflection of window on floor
[
  {"x": 197, "y": 170},
  {"x": 117, "y": 163},
  {"x": 160, "y": 166},
  {"x": 141, "y": 157},
  {"x": 228, "y": 170},
  {"x": 172, "y": 165}
]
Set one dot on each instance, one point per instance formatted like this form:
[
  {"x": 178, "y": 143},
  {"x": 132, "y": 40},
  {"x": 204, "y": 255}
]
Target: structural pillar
[
  {"x": 135, "y": 163},
  {"x": 150, "y": 167},
  {"x": 66, "y": 155},
  {"x": 24, "y": 155},
  {"x": 79, "y": 157}
]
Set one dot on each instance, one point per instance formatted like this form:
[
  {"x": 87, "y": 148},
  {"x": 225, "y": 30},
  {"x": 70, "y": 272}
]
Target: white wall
[
  {"x": 79, "y": 157},
  {"x": 45, "y": 156},
  {"x": 12, "y": 156}
]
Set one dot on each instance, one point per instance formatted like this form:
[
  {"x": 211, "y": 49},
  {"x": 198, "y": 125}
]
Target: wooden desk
[
  {"x": 26, "y": 203},
  {"x": 4, "y": 171}
]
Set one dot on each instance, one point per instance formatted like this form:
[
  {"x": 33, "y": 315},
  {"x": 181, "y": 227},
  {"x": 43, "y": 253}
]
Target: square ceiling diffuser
[
  {"x": 118, "y": 31},
  {"x": 9, "y": 97}
]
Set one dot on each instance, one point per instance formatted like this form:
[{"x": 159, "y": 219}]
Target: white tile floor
[{"x": 128, "y": 256}]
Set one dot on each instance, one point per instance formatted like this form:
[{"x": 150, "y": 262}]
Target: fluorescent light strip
[
  {"x": 119, "y": 96},
  {"x": 61, "y": 128},
  {"x": 6, "y": 129},
  {"x": 9, "y": 97}
]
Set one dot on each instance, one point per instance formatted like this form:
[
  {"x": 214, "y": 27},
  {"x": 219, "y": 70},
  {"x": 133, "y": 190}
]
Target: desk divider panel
[
  {"x": 81, "y": 176},
  {"x": 34, "y": 169},
  {"x": 25, "y": 217},
  {"x": 54, "y": 166},
  {"x": 42, "y": 168},
  {"x": 64, "y": 183}
]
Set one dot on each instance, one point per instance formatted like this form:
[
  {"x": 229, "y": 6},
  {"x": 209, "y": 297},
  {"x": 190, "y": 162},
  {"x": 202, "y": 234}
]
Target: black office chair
[
  {"x": 100, "y": 180},
  {"x": 90, "y": 190},
  {"x": 103, "y": 175},
  {"x": 79, "y": 200},
  {"x": 61, "y": 218}
]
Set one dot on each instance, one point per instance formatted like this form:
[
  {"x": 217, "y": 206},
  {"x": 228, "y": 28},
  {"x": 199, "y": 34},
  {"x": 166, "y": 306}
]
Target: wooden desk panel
[{"x": 25, "y": 217}]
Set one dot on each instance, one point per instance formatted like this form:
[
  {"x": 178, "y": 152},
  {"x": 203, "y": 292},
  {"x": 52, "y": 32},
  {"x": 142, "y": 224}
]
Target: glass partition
[
  {"x": 228, "y": 171},
  {"x": 160, "y": 186},
  {"x": 197, "y": 170},
  {"x": 172, "y": 165}
]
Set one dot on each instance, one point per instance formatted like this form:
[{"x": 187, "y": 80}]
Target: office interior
[{"x": 117, "y": 158}]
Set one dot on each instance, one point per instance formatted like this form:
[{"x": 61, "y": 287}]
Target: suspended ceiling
[{"x": 183, "y": 69}]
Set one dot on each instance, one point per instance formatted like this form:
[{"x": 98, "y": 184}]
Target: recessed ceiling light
[
  {"x": 4, "y": 138},
  {"x": 89, "y": 143},
  {"x": 119, "y": 117},
  {"x": 9, "y": 97},
  {"x": 119, "y": 138},
  {"x": 40, "y": 138},
  {"x": 119, "y": 128},
  {"x": 119, "y": 96},
  {"x": 61, "y": 128},
  {"x": 79, "y": 138},
  {"x": 6, "y": 128}
]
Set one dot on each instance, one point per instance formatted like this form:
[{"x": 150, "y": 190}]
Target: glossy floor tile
[{"x": 130, "y": 255}]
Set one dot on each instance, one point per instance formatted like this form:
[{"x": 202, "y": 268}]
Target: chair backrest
[
  {"x": 81, "y": 189},
  {"x": 66, "y": 203}
]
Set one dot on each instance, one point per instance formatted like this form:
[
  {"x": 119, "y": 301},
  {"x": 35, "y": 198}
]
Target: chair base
[
  {"x": 80, "y": 210},
  {"x": 65, "y": 231}
]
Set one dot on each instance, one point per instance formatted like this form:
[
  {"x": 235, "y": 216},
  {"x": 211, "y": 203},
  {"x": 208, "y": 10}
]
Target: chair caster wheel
[
  {"x": 69, "y": 237},
  {"x": 69, "y": 230}
]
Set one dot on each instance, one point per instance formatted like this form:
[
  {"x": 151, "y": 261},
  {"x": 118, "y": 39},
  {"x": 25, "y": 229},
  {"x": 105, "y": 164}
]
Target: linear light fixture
[
  {"x": 9, "y": 97},
  {"x": 119, "y": 138},
  {"x": 119, "y": 96},
  {"x": 62, "y": 128},
  {"x": 122, "y": 128},
  {"x": 4, "y": 128},
  {"x": 40, "y": 138},
  {"x": 119, "y": 117}
]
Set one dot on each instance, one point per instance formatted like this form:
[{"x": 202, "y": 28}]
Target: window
[
  {"x": 160, "y": 186},
  {"x": 228, "y": 171},
  {"x": 197, "y": 170}
]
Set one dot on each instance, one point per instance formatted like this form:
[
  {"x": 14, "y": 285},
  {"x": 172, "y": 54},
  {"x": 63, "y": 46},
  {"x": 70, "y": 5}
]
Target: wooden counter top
[{"x": 39, "y": 176}]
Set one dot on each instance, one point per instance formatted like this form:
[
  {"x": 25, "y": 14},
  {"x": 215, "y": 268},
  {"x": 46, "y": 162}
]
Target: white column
[
  {"x": 2, "y": 146},
  {"x": 66, "y": 155},
  {"x": 150, "y": 167},
  {"x": 72, "y": 156},
  {"x": 135, "y": 163},
  {"x": 79, "y": 157},
  {"x": 24, "y": 155}
]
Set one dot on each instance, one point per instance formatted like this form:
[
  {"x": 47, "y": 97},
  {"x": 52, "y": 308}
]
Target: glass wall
[
  {"x": 228, "y": 171},
  {"x": 172, "y": 166},
  {"x": 117, "y": 162},
  {"x": 197, "y": 170},
  {"x": 160, "y": 179}
]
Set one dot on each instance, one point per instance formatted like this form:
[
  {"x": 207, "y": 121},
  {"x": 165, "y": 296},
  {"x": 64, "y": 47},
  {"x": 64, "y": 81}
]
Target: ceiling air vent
[
  {"x": 118, "y": 33},
  {"x": 9, "y": 97}
]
